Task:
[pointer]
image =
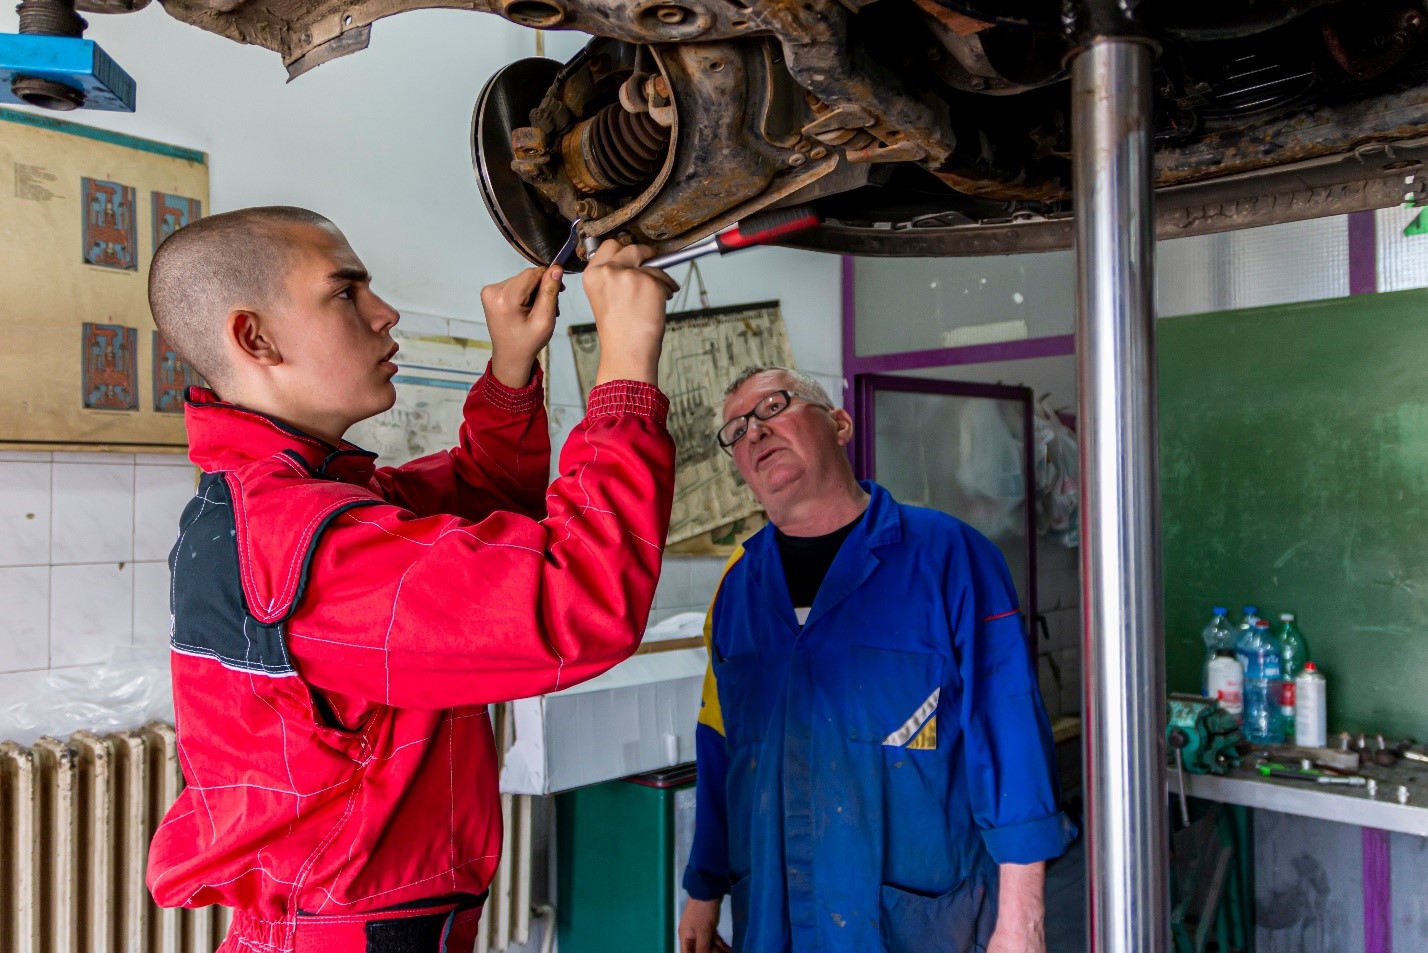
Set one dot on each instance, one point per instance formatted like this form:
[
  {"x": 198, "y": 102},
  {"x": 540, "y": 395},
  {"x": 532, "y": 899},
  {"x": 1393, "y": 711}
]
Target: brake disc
[{"x": 505, "y": 104}]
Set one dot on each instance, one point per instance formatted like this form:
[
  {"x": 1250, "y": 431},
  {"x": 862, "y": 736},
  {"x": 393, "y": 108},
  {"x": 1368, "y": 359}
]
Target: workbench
[
  {"x": 1319, "y": 861},
  {"x": 1338, "y": 803}
]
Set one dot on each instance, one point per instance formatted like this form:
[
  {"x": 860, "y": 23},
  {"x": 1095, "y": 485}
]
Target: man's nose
[{"x": 385, "y": 316}]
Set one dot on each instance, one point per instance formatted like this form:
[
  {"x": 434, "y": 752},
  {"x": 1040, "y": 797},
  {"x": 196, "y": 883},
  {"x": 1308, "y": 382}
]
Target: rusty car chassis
[{"x": 917, "y": 127}]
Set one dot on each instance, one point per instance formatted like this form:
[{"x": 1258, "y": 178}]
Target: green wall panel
[{"x": 1294, "y": 475}]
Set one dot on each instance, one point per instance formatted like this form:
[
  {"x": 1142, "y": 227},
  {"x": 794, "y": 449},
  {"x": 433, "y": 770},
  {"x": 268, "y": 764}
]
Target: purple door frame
[{"x": 1376, "y": 860}]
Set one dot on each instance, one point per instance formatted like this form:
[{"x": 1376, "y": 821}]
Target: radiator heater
[
  {"x": 76, "y": 818},
  {"x": 507, "y": 916}
]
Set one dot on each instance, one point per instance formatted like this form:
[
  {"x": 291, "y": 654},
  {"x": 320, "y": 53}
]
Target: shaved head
[{"x": 204, "y": 271}]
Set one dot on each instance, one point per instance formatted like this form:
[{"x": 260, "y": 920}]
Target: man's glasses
[{"x": 768, "y": 407}]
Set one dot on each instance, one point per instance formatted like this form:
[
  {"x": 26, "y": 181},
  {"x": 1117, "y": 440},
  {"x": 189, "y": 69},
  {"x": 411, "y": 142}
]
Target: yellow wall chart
[
  {"x": 82, "y": 364},
  {"x": 703, "y": 351}
]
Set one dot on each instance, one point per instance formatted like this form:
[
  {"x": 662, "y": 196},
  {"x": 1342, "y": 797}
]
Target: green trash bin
[{"x": 616, "y": 882}]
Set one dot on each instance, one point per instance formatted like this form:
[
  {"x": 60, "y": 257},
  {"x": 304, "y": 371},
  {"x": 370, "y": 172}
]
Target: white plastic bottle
[
  {"x": 1218, "y": 634},
  {"x": 1225, "y": 682},
  {"x": 1311, "y": 708}
]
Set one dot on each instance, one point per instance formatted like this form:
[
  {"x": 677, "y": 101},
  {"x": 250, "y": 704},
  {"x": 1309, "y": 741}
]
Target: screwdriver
[{"x": 757, "y": 230}]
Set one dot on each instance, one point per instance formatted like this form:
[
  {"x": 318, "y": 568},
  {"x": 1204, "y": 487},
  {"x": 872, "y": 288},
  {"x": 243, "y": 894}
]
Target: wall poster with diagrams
[
  {"x": 703, "y": 351},
  {"x": 80, "y": 217},
  {"x": 436, "y": 373}
]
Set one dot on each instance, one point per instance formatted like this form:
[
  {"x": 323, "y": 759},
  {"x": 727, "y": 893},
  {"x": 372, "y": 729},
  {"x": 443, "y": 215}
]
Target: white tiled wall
[
  {"x": 84, "y": 543},
  {"x": 686, "y": 584}
]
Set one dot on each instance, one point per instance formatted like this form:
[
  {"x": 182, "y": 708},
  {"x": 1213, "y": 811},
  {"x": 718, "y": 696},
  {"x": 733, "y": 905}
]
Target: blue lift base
[{"x": 77, "y": 63}]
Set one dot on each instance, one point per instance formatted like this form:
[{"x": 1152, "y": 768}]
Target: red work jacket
[{"x": 338, "y": 631}]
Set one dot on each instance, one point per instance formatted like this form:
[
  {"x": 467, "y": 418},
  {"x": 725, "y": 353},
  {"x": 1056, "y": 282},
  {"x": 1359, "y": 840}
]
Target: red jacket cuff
[
  {"x": 523, "y": 401},
  {"x": 628, "y": 397}
]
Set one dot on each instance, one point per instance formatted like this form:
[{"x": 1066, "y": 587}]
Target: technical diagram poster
[
  {"x": 703, "y": 352},
  {"x": 436, "y": 372},
  {"x": 81, "y": 210}
]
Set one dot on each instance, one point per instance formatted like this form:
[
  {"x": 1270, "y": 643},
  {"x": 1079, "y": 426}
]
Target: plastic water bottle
[
  {"x": 1311, "y": 708},
  {"x": 1259, "y": 653},
  {"x": 1218, "y": 635},
  {"x": 1247, "y": 621},
  {"x": 1293, "y": 653},
  {"x": 1244, "y": 632}
]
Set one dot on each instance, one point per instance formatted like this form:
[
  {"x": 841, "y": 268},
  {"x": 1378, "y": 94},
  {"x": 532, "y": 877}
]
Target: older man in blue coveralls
[{"x": 876, "y": 769}]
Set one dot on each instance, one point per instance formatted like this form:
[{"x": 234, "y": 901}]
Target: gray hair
[{"x": 805, "y": 384}]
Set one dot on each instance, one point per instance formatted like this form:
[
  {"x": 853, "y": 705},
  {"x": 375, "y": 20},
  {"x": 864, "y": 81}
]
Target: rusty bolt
[
  {"x": 818, "y": 153},
  {"x": 528, "y": 141},
  {"x": 661, "y": 86},
  {"x": 796, "y": 160},
  {"x": 672, "y": 15},
  {"x": 587, "y": 208}
]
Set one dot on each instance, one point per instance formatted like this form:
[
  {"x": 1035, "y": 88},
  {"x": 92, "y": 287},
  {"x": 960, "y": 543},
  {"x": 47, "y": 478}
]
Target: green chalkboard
[{"x": 1294, "y": 476}]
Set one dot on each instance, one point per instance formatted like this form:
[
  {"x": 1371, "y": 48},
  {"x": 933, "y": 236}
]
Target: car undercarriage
[{"x": 916, "y": 127}]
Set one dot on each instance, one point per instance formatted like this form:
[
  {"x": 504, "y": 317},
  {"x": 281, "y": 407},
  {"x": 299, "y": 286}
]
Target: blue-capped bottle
[
  {"x": 1259, "y": 651},
  {"x": 1249, "y": 616}
]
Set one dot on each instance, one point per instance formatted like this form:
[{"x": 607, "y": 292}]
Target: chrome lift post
[{"x": 1124, "y": 710}]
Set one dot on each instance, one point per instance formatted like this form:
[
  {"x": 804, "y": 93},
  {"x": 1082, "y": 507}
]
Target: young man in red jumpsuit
[{"x": 339, "y": 628}]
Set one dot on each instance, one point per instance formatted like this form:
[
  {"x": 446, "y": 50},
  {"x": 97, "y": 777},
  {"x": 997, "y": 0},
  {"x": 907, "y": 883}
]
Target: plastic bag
[
  {"x": 989, "y": 470},
  {"x": 130, "y": 688},
  {"x": 1058, "y": 502}
]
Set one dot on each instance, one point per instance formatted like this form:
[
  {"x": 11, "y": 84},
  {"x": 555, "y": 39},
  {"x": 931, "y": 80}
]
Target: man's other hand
[
  {"x": 699, "y": 928},
  {"x": 520, "y": 315},
  {"x": 628, "y": 302}
]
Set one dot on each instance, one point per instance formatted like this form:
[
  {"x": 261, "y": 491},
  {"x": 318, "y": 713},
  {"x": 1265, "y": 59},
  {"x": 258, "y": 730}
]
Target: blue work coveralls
[{"x": 862, "y": 776}]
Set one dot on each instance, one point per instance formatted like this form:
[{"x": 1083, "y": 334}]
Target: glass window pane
[
  {"x": 1255, "y": 267},
  {"x": 1402, "y": 259},
  {"x": 916, "y": 304},
  {"x": 960, "y": 455}
]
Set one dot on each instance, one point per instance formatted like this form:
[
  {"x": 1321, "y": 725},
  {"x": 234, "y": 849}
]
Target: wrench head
[{"x": 568, "y": 249}]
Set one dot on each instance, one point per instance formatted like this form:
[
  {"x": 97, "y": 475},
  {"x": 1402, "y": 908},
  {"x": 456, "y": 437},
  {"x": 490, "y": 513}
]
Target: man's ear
[
  {"x": 251, "y": 341},
  {"x": 844, "y": 424}
]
